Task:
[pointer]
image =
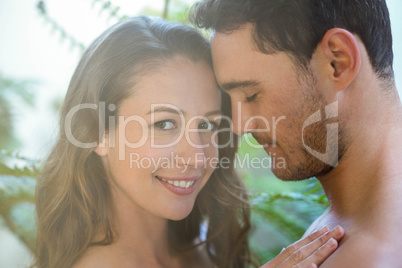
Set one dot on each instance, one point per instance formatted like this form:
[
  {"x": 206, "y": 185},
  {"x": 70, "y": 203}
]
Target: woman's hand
[{"x": 308, "y": 252}]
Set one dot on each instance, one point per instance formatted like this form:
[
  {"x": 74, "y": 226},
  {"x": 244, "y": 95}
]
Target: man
[{"x": 322, "y": 69}]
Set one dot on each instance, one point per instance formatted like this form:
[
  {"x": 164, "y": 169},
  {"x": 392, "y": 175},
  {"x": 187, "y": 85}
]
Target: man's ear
[
  {"x": 103, "y": 147},
  {"x": 341, "y": 57}
]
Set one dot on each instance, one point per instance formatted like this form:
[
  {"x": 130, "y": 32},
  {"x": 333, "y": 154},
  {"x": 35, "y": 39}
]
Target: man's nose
[{"x": 242, "y": 120}]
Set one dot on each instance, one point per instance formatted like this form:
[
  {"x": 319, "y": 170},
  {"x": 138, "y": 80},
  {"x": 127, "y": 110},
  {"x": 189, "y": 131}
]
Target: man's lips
[{"x": 264, "y": 141}]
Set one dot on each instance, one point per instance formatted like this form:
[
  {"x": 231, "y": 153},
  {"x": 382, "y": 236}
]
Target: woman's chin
[{"x": 179, "y": 214}]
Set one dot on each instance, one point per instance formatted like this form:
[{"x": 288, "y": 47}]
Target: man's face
[{"x": 272, "y": 99}]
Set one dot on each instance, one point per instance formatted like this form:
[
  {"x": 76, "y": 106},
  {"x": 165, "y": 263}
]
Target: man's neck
[{"x": 369, "y": 175}]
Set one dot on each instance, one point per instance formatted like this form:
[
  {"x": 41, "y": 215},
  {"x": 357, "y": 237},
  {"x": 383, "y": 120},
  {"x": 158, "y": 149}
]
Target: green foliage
[
  {"x": 285, "y": 215},
  {"x": 281, "y": 211},
  {"x": 108, "y": 7},
  {"x": 17, "y": 196},
  {"x": 178, "y": 11},
  {"x": 56, "y": 27},
  {"x": 12, "y": 91},
  {"x": 27, "y": 169},
  {"x": 16, "y": 172}
]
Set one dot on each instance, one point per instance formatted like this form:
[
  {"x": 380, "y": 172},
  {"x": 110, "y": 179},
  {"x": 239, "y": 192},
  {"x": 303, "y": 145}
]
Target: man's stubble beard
[{"x": 316, "y": 136}]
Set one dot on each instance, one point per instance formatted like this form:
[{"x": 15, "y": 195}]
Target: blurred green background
[{"x": 41, "y": 43}]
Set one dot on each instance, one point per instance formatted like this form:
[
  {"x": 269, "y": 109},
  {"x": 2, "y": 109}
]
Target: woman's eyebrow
[{"x": 162, "y": 109}]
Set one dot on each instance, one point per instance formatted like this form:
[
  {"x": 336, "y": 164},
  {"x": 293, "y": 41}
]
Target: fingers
[
  {"x": 286, "y": 252},
  {"x": 320, "y": 255},
  {"x": 310, "y": 251},
  {"x": 315, "y": 252}
]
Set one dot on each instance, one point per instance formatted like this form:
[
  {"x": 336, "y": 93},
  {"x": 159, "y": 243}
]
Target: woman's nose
[{"x": 191, "y": 149}]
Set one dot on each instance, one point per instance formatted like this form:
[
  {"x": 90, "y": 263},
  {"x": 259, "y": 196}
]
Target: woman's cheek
[{"x": 212, "y": 157}]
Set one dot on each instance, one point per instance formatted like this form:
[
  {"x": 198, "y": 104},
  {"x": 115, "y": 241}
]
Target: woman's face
[{"x": 164, "y": 148}]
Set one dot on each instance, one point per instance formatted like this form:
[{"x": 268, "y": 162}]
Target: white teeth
[
  {"x": 189, "y": 183},
  {"x": 181, "y": 184}
]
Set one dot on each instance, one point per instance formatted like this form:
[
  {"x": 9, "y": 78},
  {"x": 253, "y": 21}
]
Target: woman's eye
[
  {"x": 208, "y": 125},
  {"x": 165, "y": 125},
  {"x": 251, "y": 98}
]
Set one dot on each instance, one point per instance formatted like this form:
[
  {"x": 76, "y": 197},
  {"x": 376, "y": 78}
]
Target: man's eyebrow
[
  {"x": 236, "y": 84},
  {"x": 216, "y": 112},
  {"x": 163, "y": 109}
]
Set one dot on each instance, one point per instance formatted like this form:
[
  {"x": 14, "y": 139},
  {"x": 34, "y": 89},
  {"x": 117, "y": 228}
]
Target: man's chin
[
  {"x": 289, "y": 175},
  {"x": 286, "y": 174}
]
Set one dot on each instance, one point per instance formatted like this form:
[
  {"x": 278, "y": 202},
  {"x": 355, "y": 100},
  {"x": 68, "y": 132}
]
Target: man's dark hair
[{"x": 298, "y": 26}]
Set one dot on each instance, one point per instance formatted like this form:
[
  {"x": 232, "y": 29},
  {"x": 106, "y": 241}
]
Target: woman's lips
[{"x": 179, "y": 186}]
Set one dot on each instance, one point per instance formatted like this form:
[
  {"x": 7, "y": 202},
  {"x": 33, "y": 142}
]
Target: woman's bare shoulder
[
  {"x": 198, "y": 257},
  {"x": 94, "y": 257}
]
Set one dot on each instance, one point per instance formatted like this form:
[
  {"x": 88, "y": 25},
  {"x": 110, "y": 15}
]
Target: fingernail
[
  {"x": 331, "y": 243},
  {"x": 324, "y": 229},
  {"x": 337, "y": 230}
]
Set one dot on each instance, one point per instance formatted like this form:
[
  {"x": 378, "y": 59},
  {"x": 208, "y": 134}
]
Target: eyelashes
[
  {"x": 251, "y": 98},
  {"x": 166, "y": 125},
  {"x": 208, "y": 125}
]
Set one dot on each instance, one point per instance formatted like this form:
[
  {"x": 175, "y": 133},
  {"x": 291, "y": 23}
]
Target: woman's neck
[{"x": 139, "y": 235}]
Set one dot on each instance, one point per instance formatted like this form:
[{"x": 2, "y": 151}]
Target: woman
[{"x": 138, "y": 168}]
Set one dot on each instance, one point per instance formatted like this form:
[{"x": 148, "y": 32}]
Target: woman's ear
[
  {"x": 103, "y": 147},
  {"x": 341, "y": 57}
]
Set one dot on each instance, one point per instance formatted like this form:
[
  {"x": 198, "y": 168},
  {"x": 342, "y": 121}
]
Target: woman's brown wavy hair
[{"x": 73, "y": 193}]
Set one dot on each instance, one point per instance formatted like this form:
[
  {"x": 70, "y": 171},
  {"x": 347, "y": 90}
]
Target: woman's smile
[{"x": 179, "y": 185}]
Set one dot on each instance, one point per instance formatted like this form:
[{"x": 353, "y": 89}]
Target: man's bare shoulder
[
  {"x": 318, "y": 224},
  {"x": 365, "y": 251}
]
